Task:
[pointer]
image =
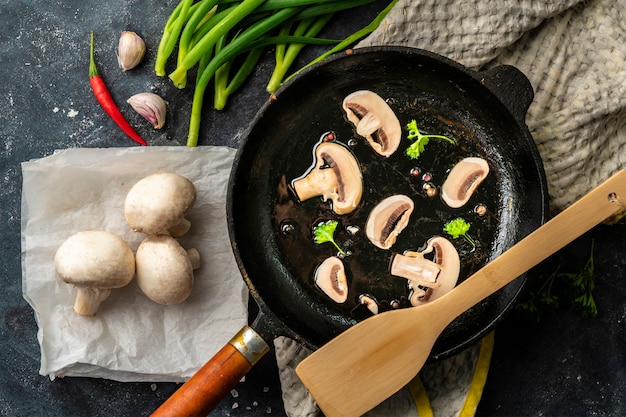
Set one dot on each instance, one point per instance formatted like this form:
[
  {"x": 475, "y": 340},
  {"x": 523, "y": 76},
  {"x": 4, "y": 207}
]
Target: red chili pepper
[{"x": 103, "y": 96}]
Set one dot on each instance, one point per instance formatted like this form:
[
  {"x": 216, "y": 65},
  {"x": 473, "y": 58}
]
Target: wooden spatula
[{"x": 375, "y": 358}]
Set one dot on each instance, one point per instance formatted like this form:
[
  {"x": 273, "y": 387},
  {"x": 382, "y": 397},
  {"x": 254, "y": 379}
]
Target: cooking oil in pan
[{"x": 367, "y": 266}]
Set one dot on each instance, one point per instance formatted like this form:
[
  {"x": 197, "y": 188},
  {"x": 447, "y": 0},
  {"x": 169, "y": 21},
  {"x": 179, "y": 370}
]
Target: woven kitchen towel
[
  {"x": 451, "y": 387},
  {"x": 574, "y": 55}
]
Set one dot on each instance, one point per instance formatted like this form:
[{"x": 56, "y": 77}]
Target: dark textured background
[{"x": 561, "y": 365}]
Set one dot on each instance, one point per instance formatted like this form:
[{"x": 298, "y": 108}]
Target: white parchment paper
[{"x": 131, "y": 338}]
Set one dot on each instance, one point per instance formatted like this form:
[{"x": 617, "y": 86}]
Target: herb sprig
[
  {"x": 325, "y": 232},
  {"x": 421, "y": 140},
  {"x": 458, "y": 228},
  {"x": 577, "y": 289}
]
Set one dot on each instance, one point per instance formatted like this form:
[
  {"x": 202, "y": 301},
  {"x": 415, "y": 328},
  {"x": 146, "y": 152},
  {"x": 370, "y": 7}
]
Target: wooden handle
[{"x": 207, "y": 387}]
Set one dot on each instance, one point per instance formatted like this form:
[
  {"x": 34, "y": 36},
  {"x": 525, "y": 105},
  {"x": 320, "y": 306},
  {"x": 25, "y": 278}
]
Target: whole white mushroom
[
  {"x": 95, "y": 262},
  {"x": 159, "y": 203},
  {"x": 165, "y": 269}
]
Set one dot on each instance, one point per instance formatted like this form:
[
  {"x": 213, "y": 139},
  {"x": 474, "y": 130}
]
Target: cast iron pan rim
[{"x": 270, "y": 322}]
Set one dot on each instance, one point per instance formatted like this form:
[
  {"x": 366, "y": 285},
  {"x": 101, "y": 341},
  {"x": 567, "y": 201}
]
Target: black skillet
[{"x": 271, "y": 232}]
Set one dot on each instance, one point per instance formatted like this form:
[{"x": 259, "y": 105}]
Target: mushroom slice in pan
[
  {"x": 388, "y": 219},
  {"x": 374, "y": 120},
  {"x": 463, "y": 180},
  {"x": 335, "y": 175},
  {"x": 369, "y": 302},
  {"x": 330, "y": 277},
  {"x": 429, "y": 280}
]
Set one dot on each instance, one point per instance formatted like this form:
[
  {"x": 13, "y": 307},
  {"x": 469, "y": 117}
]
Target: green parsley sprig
[
  {"x": 459, "y": 228},
  {"x": 325, "y": 232},
  {"x": 418, "y": 146},
  {"x": 576, "y": 288}
]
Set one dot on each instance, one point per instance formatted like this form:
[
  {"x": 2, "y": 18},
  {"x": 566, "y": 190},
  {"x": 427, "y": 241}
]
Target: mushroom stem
[
  {"x": 194, "y": 258},
  {"x": 180, "y": 229},
  {"x": 414, "y": 267},
  {"x": 309, "y": 186},
  {"x": 88, "y": 300}
]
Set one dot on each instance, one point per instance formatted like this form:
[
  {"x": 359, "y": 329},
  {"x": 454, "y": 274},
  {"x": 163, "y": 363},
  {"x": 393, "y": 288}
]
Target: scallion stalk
[
  {"x": 244, "y": 8},
  {"x": 224, "y": 88},
  {"x": 170, "y": 36},
  {"x": 285, "y": 57},
  {"x": 206, "y": 9},
  {"x": 238, "y": 45},
  {"x": 356, "y": 36},
  {"x": 217, "y": 36}
]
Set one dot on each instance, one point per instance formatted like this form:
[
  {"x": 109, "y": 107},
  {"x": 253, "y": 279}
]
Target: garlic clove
[
  {"x": 130, "y": 50},
  {"x": 152, "y": 107}
]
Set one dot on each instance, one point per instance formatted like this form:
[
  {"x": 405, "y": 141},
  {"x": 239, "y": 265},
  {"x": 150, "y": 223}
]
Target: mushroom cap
[
  {"x": 388, "y": 219},
  {"x": 330, "y": 277},
  {"x": 164, "y": 270},
  {"x": 462, "y": 181},
  {"x": 374, "y": 120},
  {"x": 95, "y": 258},
  {"x": 159, "y": 202}
]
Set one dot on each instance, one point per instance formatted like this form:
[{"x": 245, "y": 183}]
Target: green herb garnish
[
  {"x": 581, "y": 288},
  {"x": 543, "y": 300},
  {"x": 459, "y": 228},
  {"x": 417, "y": 147},
  {"x": 575, "y": 288},
  {"x": 325, "y": 232}
]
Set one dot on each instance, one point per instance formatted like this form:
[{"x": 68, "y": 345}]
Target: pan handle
[
  {"x": 511, "y": 87},
  {"x": 210, "y": 384}
]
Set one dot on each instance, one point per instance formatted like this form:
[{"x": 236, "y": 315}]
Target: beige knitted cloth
[{"x": 574, "y": 54}]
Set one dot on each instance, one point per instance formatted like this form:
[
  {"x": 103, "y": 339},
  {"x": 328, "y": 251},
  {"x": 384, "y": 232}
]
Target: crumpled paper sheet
[{"x": 131, "y": 338}]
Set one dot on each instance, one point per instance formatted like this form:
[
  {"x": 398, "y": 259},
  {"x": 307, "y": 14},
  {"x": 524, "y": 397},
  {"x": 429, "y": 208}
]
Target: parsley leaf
[
  {"x": 418, "y": 146},
  {"x": 325, "y": 232},
  {"x": 459, "y": 228}
]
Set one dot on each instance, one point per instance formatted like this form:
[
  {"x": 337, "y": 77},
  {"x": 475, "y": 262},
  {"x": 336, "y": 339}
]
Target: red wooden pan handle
[{"x": 207, "y": 387}]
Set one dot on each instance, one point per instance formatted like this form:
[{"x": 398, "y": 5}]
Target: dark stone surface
[
  {"x": 562, "y": 365},
  {"x": 565, "y": 364}
]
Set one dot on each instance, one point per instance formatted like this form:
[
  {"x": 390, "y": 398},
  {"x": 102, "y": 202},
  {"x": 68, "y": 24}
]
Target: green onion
[
  {"x": 179, "y": 76},
  {"x": 169, "y": 39},
  {"x": 356, "y": 36},
  {"x": 223, "y": 40},
  {"x": 224, "y": 88},
  {"x": 286, "y": 55},
  {"x": 227, "y": 53}
]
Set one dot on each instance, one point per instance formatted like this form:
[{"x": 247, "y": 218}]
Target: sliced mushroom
[
  {"x": 374, "y": 120},
  {"x": 463, "y": 180},
  {"x": 330, "y": 277},
  {"x": 335, "y": 175},
  {"x": 388, "y": 219},
  {"x": 369, "y": 302},
  {"x": 414, "y": 267},
  {"x": 429, "y": 280}
]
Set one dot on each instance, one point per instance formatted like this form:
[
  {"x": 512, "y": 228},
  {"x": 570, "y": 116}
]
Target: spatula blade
[{"x": 347, "y": 381}]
